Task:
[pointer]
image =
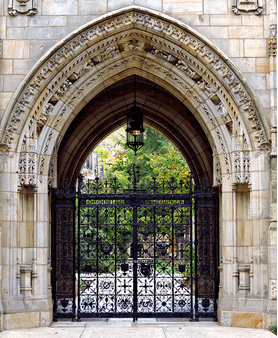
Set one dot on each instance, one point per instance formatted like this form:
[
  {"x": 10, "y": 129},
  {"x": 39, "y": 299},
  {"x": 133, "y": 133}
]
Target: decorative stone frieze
[
  {"x": 28, "y": 7},
  {"x": 246, "y": 6}
]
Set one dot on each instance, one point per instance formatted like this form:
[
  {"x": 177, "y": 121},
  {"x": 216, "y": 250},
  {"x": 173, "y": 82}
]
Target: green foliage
[
  {"x": 157, "y": 158},
  {"x": 273, "y": 329}
]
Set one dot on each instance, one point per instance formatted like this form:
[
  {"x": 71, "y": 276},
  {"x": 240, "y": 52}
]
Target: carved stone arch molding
[{"x": 116, "y": 45}]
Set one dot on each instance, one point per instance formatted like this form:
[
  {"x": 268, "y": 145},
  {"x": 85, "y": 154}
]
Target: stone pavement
[{"x": 141, "y": 329}]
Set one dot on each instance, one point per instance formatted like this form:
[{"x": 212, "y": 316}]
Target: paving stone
[{"x": 121, "y": 329}]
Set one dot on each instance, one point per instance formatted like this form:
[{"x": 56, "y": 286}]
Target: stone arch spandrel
[{"x": 116, "y": 45}]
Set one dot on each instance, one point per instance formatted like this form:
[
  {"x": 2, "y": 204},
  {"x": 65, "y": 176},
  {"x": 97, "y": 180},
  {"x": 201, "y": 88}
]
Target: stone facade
[{"x": 218, "y": 61}]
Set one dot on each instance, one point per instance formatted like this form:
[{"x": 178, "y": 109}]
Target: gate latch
[{"x": 145, "y": 269}]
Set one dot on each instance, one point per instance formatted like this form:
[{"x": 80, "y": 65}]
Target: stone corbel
[
  {"x": 28, "y": 7},
  {"x": 246, "y": 6}
]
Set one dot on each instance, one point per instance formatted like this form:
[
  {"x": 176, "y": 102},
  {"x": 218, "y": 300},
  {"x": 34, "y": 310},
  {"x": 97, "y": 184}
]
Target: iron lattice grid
[{"x": 143, "y": 251}]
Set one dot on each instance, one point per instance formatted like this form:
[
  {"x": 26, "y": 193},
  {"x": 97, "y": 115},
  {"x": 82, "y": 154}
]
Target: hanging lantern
[{"x": 134, "y": 129}]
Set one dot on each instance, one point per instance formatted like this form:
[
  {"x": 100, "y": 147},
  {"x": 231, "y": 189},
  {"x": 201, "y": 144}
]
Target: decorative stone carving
[
  {"x": 272, "y": 46},
  {"x": 241, "y": 168},
  {"x": 28, "y": 7},
  {"x": 187, "y": 45},
  {"x": 61, "y": 114},
  {"x": 217, "y": 172},
  {"x": 272, "y": 41},
  {"x": 107, "y": 54},
  {"x": 44, "y": 115},
  {"x": 246, "y": 6},
  {"x": 85, "y": 69},
  {"x": 164, "y": 56},
  {"x": 205, "y": 86},
  {"x": 209, "y": 115},
  {"x": 224, "y": 150},
  {"x": 52, "y": 172},
  {"x": 28, "y": 169},
  {"x": 135, "y": 45},
  {"x": 182, "y": 65}
]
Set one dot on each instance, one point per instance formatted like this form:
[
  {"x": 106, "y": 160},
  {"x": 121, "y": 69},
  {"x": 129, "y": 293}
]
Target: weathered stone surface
[
  {"x": 192, "y": 6},
  {"x": 15, "y": 49},
  {"x": 3, "y": 28},
  {"x": 210, "y": 7},
  {"x": 255, "y": 48},
  {"x": 47, "y": 21},
  {"x": 92, "y": 7},
  {"x": 23, "y": 66},
  {"x": 116, "y": 4},
  {"x": 6, "y": 66},
  {"x": 214, "y": 32},
  {"x": 65, "y": 7},
  {"x": 242, "y": 319},
  {"x": 236, "y": 47},
  {"x": 11, "y": 82},
  {"x": 39, "y": 48},
  {"x": 246, "y": 32},
  {"x": 20, "y": 320},
  {"x": 30, "y": 33}
]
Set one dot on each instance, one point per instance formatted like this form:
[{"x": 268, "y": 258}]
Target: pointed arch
[{"x": 109, "y": 49}]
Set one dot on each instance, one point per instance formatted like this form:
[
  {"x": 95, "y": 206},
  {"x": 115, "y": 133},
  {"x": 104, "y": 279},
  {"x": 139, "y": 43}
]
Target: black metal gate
[{"x": 137, "y": 252}]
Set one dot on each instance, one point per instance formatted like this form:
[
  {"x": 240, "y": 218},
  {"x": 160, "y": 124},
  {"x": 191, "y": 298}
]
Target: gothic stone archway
[{"x": 168, "y": 55}]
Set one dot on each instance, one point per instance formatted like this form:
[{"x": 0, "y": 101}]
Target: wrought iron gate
[{"x": 138, "y": 252}]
